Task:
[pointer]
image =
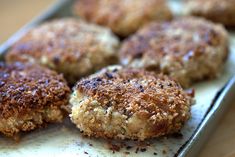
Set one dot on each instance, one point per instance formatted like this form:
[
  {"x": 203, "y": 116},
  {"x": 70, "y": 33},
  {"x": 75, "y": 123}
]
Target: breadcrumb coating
[
  {"x": 69, "y": 46},
  {"x": 187, "y": 49},
  {"x": 29, "y": 96},
  {"x": 124, "y": 17},
  {"x": 129, "y": 103},
  {"x": 214, "y": 10}
]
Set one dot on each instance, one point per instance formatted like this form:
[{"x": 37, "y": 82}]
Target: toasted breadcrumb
[
  {"x": 29, "y": 97},
  {"x": 187, "y": 49},
  {"x": 129, "y": 103}
]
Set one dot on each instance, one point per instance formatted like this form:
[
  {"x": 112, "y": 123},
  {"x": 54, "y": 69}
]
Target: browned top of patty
[
  {"x": 215, "y": 10},
  {"x": 25, "y": 87},
  {"x": 132, "y": 91},
  {"x": 210, "y": 7},
  {"x": 183, "y": 39},
  {"x": 122, "y": 16},
  {"x": 60, "y": 40},
  {"x": 217, "y": 4}
]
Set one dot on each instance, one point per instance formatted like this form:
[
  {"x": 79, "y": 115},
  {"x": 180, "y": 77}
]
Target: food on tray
[
  {"x": 30, "y": 96},
  {"x": 215, "y": 10},
  {"x": 69, "y": 46},
  {"x": 124, "y": 17},
  {"x": 187, "y": 49},
  {"x": 129, "y": 103}
]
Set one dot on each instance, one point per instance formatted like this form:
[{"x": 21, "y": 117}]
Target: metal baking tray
[{"x": 212, "y": 99}]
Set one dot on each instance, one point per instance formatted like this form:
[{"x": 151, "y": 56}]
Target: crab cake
[
  {"x": 29, "y": 97},
  {"x": 215, "y": 10},
  {"x": 187, "y": 49},
  {"x": 69, "y": 46},
  {"x": 129, "y": 103},
  {"x": 124, "y": 17}
]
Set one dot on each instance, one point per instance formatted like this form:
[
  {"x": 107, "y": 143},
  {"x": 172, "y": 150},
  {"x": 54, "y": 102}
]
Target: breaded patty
[
  {"x": 129, "y": 103},
  {"x": 29, "y": 97},
  {"x": 124, "y": 17},
  {"x": 215, "y": 10},
  {"x": 69, "y": 46},
  {"x": 187, "y": 49}
]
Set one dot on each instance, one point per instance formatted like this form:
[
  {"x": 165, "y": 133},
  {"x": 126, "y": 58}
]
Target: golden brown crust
[
  {"x": 178, "y": 48},
  {"x": 137, "y": 95},
  {"x": 215, "y": 10},
  {"x": 26, "y": 88},
  {"x": 124, "y": 87},
  {"x": 69, "y": 46},
  {"x": 123, "y": 16}
]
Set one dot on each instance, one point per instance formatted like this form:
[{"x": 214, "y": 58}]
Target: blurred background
[{"x": 16, "y": 13}]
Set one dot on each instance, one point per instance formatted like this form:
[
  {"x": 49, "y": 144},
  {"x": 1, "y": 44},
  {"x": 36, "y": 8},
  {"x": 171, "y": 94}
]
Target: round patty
[
  {"x": 69, "y": 46},
  {"x": 129, "y": 103},
  {"x": 187, "y": 49},
  {"x": 30, "y": 96},
  {"x": 215, "y": 10},
  {"x": 122, "y": 16}
]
